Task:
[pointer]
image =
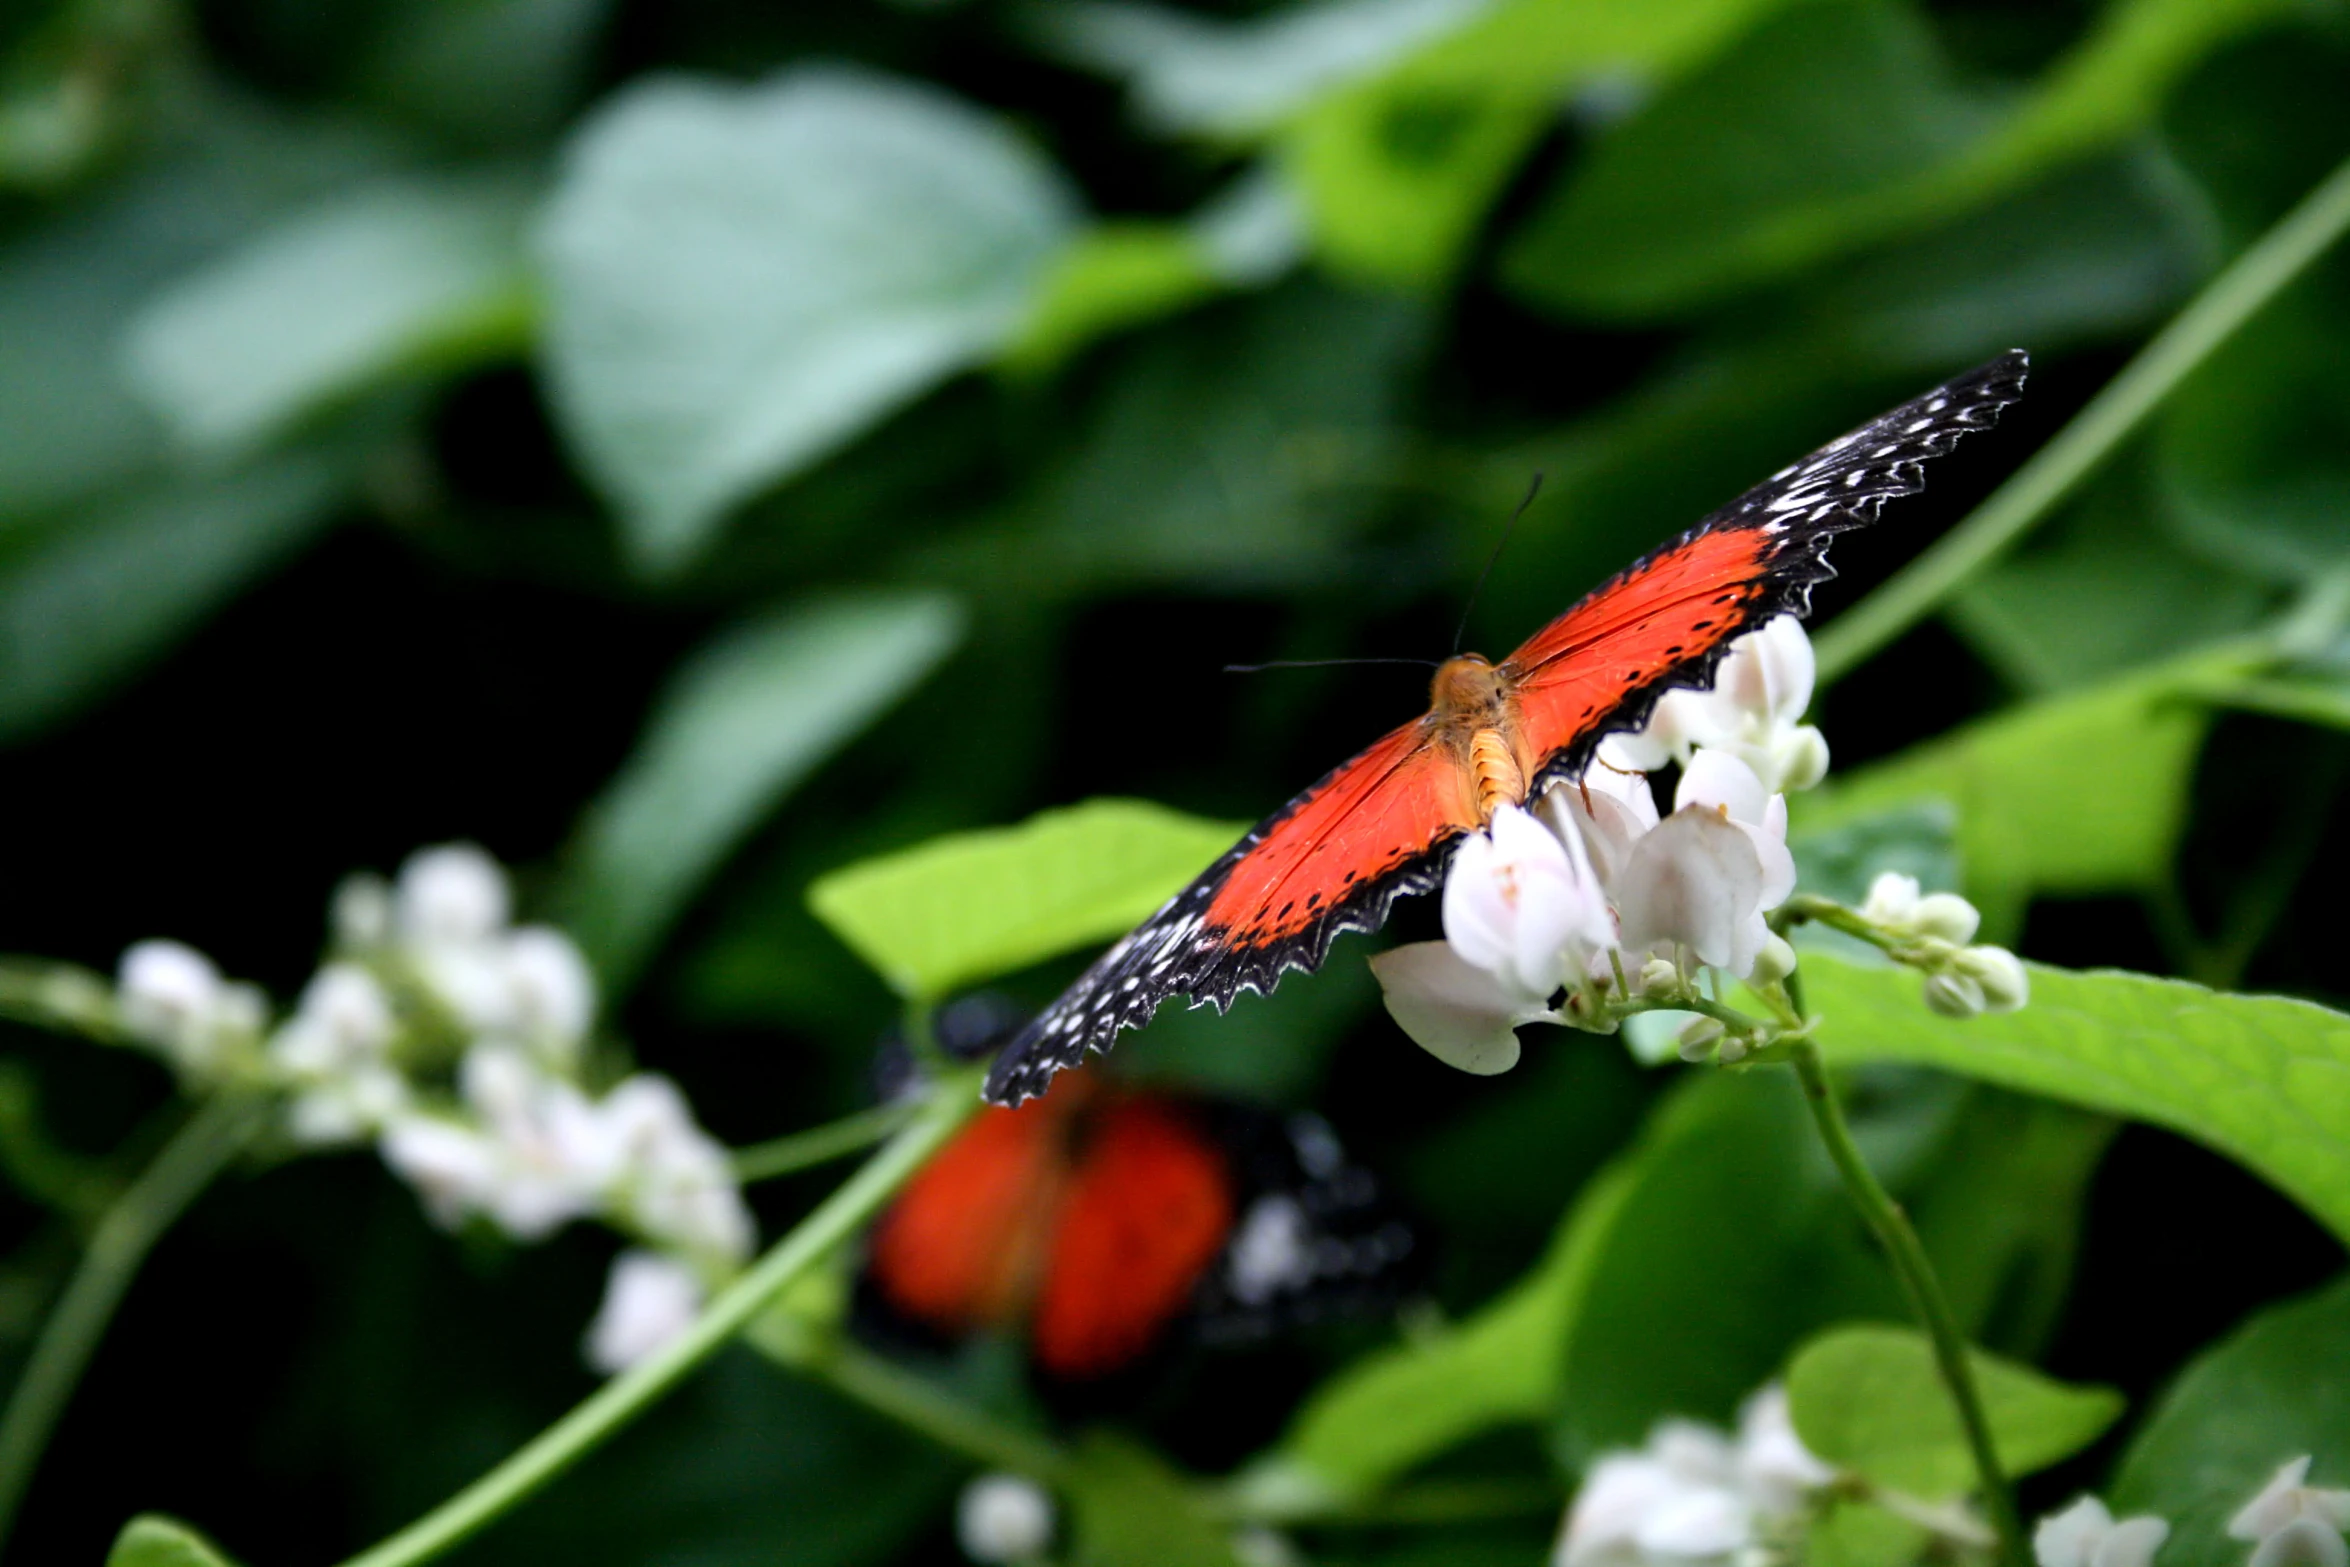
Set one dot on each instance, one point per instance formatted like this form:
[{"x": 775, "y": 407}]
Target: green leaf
[
  {"x": 741, "y": 724},
  {"x": 1128, "y": 1509},
  {"x": 113, "y": 586},
  {"x": 1867, "y": 1398},
  {"x": 970, "y": 906},
  {"x": 743, "y": 278},
  {"x": 2251, "y": 447},
  {"x": 152, "y": 1540},
  {"x": 2100, "y": 598},
  {"x": 1820, "y": 103},
  {"x": 485, "y": 72},
  {"x": 1397, "y": 170},
  {"x": 2268, "y": 1392},
  {"x": 400, "y": 277},
  {"x": 1674, "y": 211},
  {"x": 2264, "y": 1080},
  {"x": 2080, "y": 793},
  {"x": 1118, "y": 275}
]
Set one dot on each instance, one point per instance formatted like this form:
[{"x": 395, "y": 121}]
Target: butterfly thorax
[{"x": 1473, "y": 709}]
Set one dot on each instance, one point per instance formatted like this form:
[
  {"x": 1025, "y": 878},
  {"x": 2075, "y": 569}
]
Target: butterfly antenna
[
  {"x": 1321, "y": 663},
  {"x": 1460, "y": 632}
]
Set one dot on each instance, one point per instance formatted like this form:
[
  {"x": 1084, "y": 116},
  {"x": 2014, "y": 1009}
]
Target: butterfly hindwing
[{"x": 1666, "y": 620}]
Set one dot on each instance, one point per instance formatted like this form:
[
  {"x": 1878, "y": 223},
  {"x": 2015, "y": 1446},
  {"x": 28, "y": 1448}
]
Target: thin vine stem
[
  {"x": 797, "y": 1151},
  {"x": 1919, "y": 1282},
  {"x": 118, "y": 1247},
  {"x": 2229, "y": 300},
  {"x": 952, "y": 1100}
]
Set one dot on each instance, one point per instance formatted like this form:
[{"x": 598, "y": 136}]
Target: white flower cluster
[
  {"x": 2291, "y": 1523},
  {"x": 1695, "y": 1495},
  {"x": 457, "y": 1041},
  {"x": 1593, "y": 905}
]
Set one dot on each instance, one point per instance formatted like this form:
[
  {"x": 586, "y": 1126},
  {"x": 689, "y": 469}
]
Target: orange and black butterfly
[
  {"x": 1104, "y": 1218},
  {"x": 1380, "y": 827}
]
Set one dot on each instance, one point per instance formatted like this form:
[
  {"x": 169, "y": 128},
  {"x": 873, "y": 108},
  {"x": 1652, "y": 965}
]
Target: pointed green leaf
[
  {"x": 1868, "y": 1399},
  {"x": 971, "y": 906},
  {"x": 741, "y": 724},
  {"x": 1128, "y": 1509},
  {"x": 2262, "y": 1079},
  {"x": 152, "y": 1540}
]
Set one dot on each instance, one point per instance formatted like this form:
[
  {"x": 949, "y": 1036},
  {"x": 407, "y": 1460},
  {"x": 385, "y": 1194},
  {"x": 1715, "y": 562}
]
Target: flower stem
[
  {"x": 1915, "y": 1270},
  {"x": 117, "y": 1248},
  {"x": 923, "y": 1408},
  {"x": 951, "y": 1101},
  {"x": 2210, "y": 318},
  {"x": 788, "y": 1155}
]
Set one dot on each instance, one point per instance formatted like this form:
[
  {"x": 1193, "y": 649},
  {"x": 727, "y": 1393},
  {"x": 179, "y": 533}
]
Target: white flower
[
  {"x": 1774, "y": 1468},
  {"x": 172, "y": 997},
  {"x": 1522, "y": 902},
  {"x": 1461, "y": 1015},
  {"x": 359, "y": 1103},
  {"x": 1999, "y": 974},
  {"x": 2297, "y": 1524},
  {"x": 2086, "y": 1535},
  {"x": 1703, "y": 878},
  {"x": 1676, "y": 1498},
  {"x": 538, "y": 1158},
  {"x": 451, "y": 894},
  {"x": 1003, "y": 1518},
  {"x": 1692, "y": 1495},
  {"x": 552, "y": 992},
  {"x": 648, "y": 1301},
  {"x": 675, "y": 1180},
  {"x": 1754, "y": 712},
  {"x": 343, "y": 1021}
]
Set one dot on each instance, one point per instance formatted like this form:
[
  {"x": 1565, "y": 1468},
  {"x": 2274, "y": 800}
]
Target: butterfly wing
[
  {"x": 1334, "y": 859},
  {"x": 962, "y": 1245},
  {"x": 1148, "y": 1209},
  {"x": 1666, "y": 620}
]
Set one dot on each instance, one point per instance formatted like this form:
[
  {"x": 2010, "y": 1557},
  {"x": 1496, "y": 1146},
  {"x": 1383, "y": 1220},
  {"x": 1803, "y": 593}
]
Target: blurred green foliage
[{"x": 699, "y": 447}]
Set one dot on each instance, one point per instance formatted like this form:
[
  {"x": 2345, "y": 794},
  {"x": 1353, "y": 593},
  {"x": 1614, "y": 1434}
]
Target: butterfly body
[{"x": 1381, "y": 826}]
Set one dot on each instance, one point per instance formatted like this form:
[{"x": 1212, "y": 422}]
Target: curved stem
[
  {"x": 797, "y": 1151},
  {"x": 951, "y": 1101},
  {"x": 129, "y": 1230},
  {"x": 1915, "y": 1270},
  {"x": 923, "y": 1408},
  {"x": 2226, "y": 303}
]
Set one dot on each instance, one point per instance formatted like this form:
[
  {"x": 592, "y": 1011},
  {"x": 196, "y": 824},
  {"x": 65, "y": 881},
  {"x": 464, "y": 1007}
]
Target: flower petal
[{"x": 1459, "y": 1013}]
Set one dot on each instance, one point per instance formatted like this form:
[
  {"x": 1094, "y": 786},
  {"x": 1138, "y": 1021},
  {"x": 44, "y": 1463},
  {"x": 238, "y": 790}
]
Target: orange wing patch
[
  {"x": 961, "y": 1247},
  {"x": 1373, "y": 816},
  {"x": 1576, "y": 678},
  {"x": 1148, "y": 1210}
]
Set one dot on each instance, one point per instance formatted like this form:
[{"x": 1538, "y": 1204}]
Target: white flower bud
[
  {"x": 2005, "y": 984},
  {"x": 1802, "y": 758},
  {"x": 1696, "y": 1040},
  {"x": 2305, "y": 1542},
  {"x": 2086, "y": 1535},
  {"x": 167, "y": 991},
  {"x": 1947, "y": 917},
  {"x": 361, "y": 916},
  {"x": 1004, "y": 1518},
  {"x": 1775, "y": 962},
  {"x": 1658, "y": 974},
  {"x": 454, "y": 893},
  {"x": 1953, "y": 995},
  {"x": 553, "y": 995},
  {"x": 648, "y": 1301},
  {"x": 1892, "y": 900}
]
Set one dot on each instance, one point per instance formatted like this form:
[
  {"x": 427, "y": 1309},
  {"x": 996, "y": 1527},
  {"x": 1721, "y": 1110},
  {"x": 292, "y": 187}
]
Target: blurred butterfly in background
[
  {"x": 1381, "y": 827},
  {"x": 1112, "y": 1220}
]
